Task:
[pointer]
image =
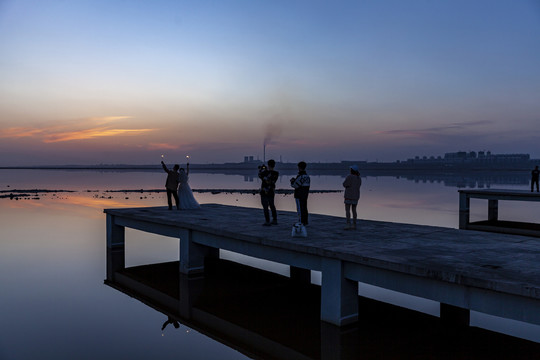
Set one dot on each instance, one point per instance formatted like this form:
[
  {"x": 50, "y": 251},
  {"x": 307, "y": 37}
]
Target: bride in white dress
[{"x": 185, "y": 195}]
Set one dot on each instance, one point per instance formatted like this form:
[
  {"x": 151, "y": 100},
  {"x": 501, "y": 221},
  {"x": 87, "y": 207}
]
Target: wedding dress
[{"x": 185, "y": 195}]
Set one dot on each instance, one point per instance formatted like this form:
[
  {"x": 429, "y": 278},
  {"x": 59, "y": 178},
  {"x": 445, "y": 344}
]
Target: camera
[{"x": 262, "y": 167}]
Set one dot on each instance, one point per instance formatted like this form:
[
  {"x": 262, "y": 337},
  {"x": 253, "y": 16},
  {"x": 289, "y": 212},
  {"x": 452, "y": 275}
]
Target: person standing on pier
[
  {"x": 268, "y": 177},
  {"x": 534, "y": 178},
  {"x": 352, "y": 184},
  {"x": 301, "y": 184},
  {"x": 171, "y": 184}
]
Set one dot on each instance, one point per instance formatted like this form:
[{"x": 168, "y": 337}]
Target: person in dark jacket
[
  {"x": 534, "y": 178},
  {"x": 301, "y": 184},
  {"x": 172, "y": 184},
  {"x": 352, "y": 184},
  {"x": 268, "y": 177}
]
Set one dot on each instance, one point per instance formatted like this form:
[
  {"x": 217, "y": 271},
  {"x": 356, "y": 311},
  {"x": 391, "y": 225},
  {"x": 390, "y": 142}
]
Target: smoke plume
[{"x": 273, "y": 130}]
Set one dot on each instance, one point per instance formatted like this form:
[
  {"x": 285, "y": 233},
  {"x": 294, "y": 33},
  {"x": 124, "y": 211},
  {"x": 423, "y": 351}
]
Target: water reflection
[
  {"x": 268, "y": 316},
  {"x": 478, "y": 180},
  {"x": 417, "y": 197},
  {"x": 153, "y": 179},
  {"x": 471, "y": 179},
  {"x": 52, "y": 264}
]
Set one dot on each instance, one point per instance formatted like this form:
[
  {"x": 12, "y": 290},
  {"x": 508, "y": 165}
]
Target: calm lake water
[{"x": 54, "y": 303}]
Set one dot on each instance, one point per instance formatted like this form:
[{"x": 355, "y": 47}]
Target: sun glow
[{"x": 162, "y": 146}]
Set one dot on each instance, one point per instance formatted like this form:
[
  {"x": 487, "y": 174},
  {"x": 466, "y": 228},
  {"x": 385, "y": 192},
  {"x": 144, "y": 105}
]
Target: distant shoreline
[
  {"x": 26, "y": 193},
  {"x": 252, "y": 167}
]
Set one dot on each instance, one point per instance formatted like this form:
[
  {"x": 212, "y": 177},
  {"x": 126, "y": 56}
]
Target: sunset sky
[{"x": 124, "y": 81}]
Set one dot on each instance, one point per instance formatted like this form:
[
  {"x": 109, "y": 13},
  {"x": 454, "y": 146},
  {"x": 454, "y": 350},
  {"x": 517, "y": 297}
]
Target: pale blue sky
[{"x": 86, "y": 81}]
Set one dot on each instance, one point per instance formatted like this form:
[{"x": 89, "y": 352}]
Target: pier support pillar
[
  {"x": 493, "y": 210},
  {"x": 455, "y": 316},
  {"x": 190, "y": 289},
  {"x": 116, "y": 234},
  {"x": 464, "y": 210},
  {"x": 300, "y": 275},
  {"x": 116, "y": 261},
  {"x": 331, "y": 342},
  {"x": 339, "y": 296},
  {"x": 192, "y": 255}
]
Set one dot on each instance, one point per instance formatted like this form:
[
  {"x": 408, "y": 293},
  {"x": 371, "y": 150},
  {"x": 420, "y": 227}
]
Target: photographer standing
[
  {"x": 269, "y": 178},
  {"x": 301, "y": 185}
]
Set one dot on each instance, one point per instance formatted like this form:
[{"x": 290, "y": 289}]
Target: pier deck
[{"x": 497, "y": 274}]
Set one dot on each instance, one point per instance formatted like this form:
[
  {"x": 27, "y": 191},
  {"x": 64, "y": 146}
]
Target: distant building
[{"x": 472, "y": 157}]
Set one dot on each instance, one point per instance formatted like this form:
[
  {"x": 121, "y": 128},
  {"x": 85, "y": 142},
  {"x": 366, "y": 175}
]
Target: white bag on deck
[{"x": 299, "y": 230}]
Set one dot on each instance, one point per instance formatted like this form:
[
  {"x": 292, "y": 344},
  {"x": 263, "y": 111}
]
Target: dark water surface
[{"x": 54, "y": 302}]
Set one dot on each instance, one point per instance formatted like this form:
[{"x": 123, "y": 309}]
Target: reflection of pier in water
[
  {"x": 463, "y": 179},
  {"x": 269, "y": 316},
  {"x": 471, "y": 180}
]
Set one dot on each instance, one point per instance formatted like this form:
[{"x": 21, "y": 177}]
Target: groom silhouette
[{"x": 172, "y": 185}]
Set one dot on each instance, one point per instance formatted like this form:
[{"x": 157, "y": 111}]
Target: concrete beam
[
  {"x": 339, "y": 296},
  {"x": 192, "y": 254},
  {"x": 261, "y": 251}
]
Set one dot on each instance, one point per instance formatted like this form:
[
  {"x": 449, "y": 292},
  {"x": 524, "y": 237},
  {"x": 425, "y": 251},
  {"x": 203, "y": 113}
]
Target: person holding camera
[
  {"x": 301, "y": 185},
  {"x": 268, "y": 178}
]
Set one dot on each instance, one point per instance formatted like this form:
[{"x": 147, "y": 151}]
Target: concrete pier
[
  {"x": 497, "y": 274},
  {"x": 493, "y": 223}
]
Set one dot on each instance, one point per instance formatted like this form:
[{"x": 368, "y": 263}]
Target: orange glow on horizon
[
  {"x": 162, "y": 146},
  {"x": 80, "y": 202}
]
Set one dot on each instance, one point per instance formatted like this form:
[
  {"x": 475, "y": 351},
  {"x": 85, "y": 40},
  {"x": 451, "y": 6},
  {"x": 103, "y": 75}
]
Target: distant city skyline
[
  {"x": 455, "y": 156},
  {"x": 105, "y": 81}
]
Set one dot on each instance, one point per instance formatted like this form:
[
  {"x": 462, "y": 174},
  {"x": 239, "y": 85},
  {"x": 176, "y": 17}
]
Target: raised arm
[{"x": 164, "y": 167}]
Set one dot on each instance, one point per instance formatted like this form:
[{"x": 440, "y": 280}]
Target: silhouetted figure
[
  {"x": 301, "y": 184},
  {"x": 185, "y": 194},
  {"x": 352, "y": 184},
  {"x": 534, "y": 178},
  {"x": 172, "y": 184},
  {"x": 268, "y": 177},
  {"x": 170, "y": 321}
]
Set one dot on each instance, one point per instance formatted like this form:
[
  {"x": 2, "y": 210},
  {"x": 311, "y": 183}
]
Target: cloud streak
[
  {"x": 432, "y": 131},
  {"x": 100, "y": 127},
  {"x": 19, "y": 132},
  {"x": 91, "y": 134}
]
